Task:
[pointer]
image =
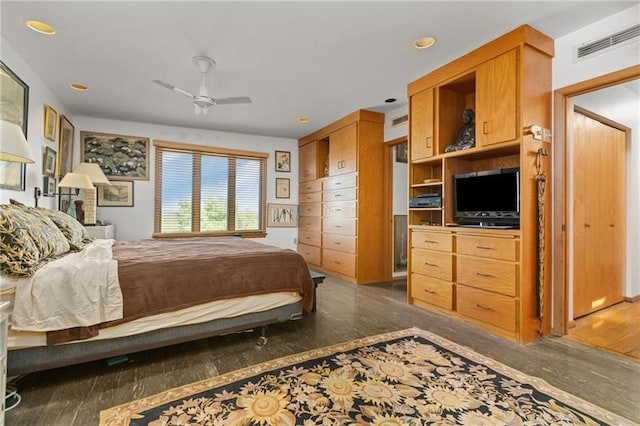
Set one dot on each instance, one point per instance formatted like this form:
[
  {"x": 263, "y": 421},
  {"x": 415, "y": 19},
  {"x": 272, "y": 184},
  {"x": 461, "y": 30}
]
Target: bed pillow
[
  {"x": 48, "y": 238},
  {"x": 75, "y": 233},
  {"x": 19, "y": 254}
]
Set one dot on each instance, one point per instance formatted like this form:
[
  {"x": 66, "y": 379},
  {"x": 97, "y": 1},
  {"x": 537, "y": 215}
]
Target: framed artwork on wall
[
  {"x": 402, "y": 153},
  {"x": 282, "y": 215},
  {"x": 50, "y": 122},
  {"x": 282, "y": 188},
  {"x": 118, "y": 194},
  {"x": 14, "y": 107},
  {"x": 49, "y": 162},
  {"x": 283, "y": 161},
  {"x": 48, "y": 186},
  {"x": 119, "y": 156},
  {"x": 65, "y": 147}
]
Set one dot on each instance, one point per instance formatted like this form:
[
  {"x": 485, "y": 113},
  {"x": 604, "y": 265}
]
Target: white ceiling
[{"x": 318, "y": 59}]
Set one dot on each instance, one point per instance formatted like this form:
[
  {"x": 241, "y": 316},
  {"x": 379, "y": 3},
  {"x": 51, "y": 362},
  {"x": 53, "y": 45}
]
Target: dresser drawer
[
  {"x": 339, "y": 226},
  {"x": 310, "y": 209},
  {"x": 311, "y": 254},
  {"x": 339, "y": 209},
  {"x": 493, "y": 275},
  {"x": 491, "y": 308},
  {"x": 432, "y": 240},
  {"x": 339, "y": 182},
  {"x": 312, "y": 238},
  {"x": 311, "y": 197},
  {"x": 340, "y": 262},
  {"x": 310, "y": 223},
  {"x": 344, "y": 243},
  {"x": 432, "y": 290},
  {"x": 311, "y": 186},
  {"x": 432, "y": 263},
  {"x": 348, "y": 194},
  {"x": 491, "y": 247}
]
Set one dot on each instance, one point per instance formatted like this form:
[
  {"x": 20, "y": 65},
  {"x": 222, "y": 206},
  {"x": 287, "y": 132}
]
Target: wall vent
[
  {"x": 399, "y": 120},
  {"x": 608, "y": 42}
]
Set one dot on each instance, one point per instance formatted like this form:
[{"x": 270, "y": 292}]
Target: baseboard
[
  {"x": 632, "y": 299},
  {"x": 571, "y": 324}
]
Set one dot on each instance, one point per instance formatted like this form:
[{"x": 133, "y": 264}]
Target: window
[{"x": 201, "y": 190}]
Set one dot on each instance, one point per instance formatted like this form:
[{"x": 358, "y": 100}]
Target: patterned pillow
[
  {"x": 45, "y": 234},
  {"x": 19, "y": 254},
  {"x": 72, "y": 229}
]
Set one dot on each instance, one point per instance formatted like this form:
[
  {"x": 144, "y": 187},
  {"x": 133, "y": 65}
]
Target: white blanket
[{"x": 80, "y": 289}]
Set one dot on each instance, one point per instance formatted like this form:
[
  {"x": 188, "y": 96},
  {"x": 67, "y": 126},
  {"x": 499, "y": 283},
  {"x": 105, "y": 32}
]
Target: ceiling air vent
[
  {"x": 608, "y": 42},
  {"x": 399, "y": 120}
]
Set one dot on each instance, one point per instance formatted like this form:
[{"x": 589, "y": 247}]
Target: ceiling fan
[{"x": 202, "y": 101}]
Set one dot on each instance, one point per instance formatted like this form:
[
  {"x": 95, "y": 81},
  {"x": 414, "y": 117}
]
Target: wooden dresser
[{"x": 341, "y": 197}]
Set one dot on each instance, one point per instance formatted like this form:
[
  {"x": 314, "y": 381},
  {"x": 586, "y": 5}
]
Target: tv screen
[{"x": 487, "y": 198}]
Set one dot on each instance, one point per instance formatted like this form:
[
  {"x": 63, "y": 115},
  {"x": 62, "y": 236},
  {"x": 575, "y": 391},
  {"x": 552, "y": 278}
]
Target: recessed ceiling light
[
  {"x": 79, "y": 87},
  {"x": 424, "y": 42},
  {"x": 303, "y": 120},
  {"x": 390, "y": 100},
  {"x": 41, "y": 27}
]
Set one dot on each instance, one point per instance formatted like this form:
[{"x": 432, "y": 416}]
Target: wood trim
[
  {"x": 179, "y": 146},
  {"x": 562, "y": 109},
  {"x": 517, "y": 37},
  {"x": 359, "y": 115},
  {"x": 387, "y": 200},
  {"x": 632, "y": 299}
]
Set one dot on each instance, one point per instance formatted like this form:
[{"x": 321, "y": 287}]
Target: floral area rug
[{"x": 409, "y": 377}]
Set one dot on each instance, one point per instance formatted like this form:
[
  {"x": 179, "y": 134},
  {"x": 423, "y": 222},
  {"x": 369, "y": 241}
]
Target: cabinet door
[
  {"x": 496, "y": 100},
  {"x": 421, "y": 116},
  {"x": 308, "y": 161},
  {"x": 342, "y": 150}
]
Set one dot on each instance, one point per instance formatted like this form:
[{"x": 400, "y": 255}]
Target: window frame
[{"x": 197, "y": 151}]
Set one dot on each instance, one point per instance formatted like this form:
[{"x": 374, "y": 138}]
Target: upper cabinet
[
  {"x": 308, "y": 161},
  {"x": 343, "y": 148},
  {"x": 421, "y": 113}
]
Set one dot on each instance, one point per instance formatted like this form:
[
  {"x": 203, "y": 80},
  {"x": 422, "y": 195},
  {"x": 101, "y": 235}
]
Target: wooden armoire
[{"x": 341, "y": 197}]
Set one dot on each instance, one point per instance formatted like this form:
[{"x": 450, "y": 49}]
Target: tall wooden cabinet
[
  {"x": 487, "y": 277},
  {"x": 341, "y": 201}
]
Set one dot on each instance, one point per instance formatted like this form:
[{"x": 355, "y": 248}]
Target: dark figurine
[{"x": 466, "y": 137}]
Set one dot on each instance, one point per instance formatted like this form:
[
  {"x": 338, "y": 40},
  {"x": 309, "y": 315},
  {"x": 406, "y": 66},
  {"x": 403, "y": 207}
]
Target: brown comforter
[{"x": 164, "y": 275}]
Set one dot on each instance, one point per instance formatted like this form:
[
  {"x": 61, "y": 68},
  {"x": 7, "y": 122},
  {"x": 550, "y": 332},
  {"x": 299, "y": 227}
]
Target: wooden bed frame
[{"x": 27, "y": 360}]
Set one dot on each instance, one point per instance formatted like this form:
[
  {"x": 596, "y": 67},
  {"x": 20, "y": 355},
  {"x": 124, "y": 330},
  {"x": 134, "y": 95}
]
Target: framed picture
[
  {"x": 65, "y": 147},
  {"x": 282, "y": 187},
  {"x": 49, "y": 162},
  {"x": 283, "y": 161},
  {"x": 49, "y": 186},
  {"x": 282, "y": 215},
  {"x": 14, "y": 101},
  {"x": 50, "y": 122},
  {"x": 119, "y": 156},
  {"x": 118, "y": 194},
  {"x": 402, "y": 153}
]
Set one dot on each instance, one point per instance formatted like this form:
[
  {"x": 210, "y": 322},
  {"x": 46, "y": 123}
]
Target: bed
[{"x": 75, "y": 300}]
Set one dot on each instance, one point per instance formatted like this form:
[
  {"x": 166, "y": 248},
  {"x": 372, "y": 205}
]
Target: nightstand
[{"x": 102, "y": 231}]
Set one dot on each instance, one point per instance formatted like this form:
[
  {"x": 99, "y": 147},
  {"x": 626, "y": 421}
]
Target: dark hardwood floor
[{"x": 76, "y": 395}]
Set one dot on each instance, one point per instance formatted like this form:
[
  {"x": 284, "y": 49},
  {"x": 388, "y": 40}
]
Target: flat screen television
[{"x": 487, "y": 198}]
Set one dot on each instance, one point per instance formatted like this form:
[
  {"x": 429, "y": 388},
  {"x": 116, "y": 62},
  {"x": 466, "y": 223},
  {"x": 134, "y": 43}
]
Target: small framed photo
[
  {"x": 50, "y": 122},
  {"x": 49, "y": 162},
  {"x": 282, "y": 187},
  {"x": 283, "y": 161},
  {"x": 118, "y": 194},
  {"x": 282, "y": 215},
  {"x": 48, "y": 186}
]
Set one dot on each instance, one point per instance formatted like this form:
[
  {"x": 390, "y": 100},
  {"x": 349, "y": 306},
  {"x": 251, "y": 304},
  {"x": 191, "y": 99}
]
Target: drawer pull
[
  {"x": 484, "y": 308},
  {"x": 485, "y": 248},
  {"x": 430, "y": 241},
  {"x": 338, "y": 226},
  {"x": 431, "y": 264},
  {"x": 337, "y": 243},
  {"x": 338, "y": 195},
  {"x": 429, "y": 291},
  {"x": 337, "y": 210},
  {"x": 480, "y": 274}
]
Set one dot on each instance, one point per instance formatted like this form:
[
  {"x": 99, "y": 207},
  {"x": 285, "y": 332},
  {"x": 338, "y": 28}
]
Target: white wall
[
  {"x": 566, "y": 72},
  {"x": 136, "y": 222},
  {"x": 39, "y": 96}
]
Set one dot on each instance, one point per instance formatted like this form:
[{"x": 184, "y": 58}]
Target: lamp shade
[
  {"x": 94, "y": 172},
  {"x": 13, "y": 145},
  {"x": 75, "y": 180}
]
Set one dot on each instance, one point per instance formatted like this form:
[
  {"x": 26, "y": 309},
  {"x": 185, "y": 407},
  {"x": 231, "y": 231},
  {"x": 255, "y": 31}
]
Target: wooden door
[
  {"x": 496, "y": 100},
  {"x": 598, "y": 162},
  {"x": 308, "y": 161},
  {"x": 421, "y": 116},
  {"x": 342, "y": 150}
]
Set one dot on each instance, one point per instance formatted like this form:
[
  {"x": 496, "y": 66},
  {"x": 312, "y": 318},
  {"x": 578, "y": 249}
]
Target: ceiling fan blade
[
  {"x": 170, "y": 87},
  {"x": 233, "y": 100}
]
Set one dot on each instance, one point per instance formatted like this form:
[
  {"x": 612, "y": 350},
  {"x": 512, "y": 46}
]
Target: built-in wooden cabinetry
[
  {"x": 341, "y": 197},
  {"x": 487, "y": 277}
]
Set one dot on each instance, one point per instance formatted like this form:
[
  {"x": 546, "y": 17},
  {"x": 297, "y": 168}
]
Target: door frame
[
  {"x": 562, "y": 109},
  {"x": 387, "y": 200}
]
